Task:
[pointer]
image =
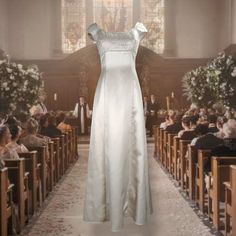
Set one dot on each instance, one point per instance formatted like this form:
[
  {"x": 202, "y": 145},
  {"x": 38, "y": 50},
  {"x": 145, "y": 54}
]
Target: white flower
[
  {"x": 13, "y": 107},
  {"x": 14, "y": 84},
  {"x": 20, "y": 66},
  {"x": 228, "y": 62},
  {"x": 218, "y": 72},
  {"x": 9, "y": 70},
  {"x": 234, "y": 72},
  {"x": 12, "y": 77},
  {"x": 1, "y": 62},
  {"x": 4, "y": 85}
]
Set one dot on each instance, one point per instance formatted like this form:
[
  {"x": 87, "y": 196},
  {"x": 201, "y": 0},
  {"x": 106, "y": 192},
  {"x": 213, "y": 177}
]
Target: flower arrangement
[
  {"x": 199, "y": 86},
  {"x": 214, "y": 83},
  {"x": 19, "y": 87},
  {"x": 225, "y": 66}
]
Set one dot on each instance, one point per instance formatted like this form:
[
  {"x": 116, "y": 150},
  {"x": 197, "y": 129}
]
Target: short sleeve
[
  {"x": 93, "y": 31},
  {"x": 141, "y": 30}
]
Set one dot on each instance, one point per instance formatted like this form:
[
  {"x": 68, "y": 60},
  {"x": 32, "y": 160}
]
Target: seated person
[
  {"x": 43, "y": 123},
  {"x": 62, "y": 126},
  {"x": 165, "y": 123},
  {"x": 176, "y": 124},
  {"x": 11, "y": 120},
  {"x": 227, "y": 148},
  {"x": 193, "y": 121},
  {"x": 186, "y": 133},
  {"x": 15, "y": 131},
  {"x": 212, "y": 123},
  {"x": 23, "y": 119},
  {"x": 30, "y": 138},
  {"x": 6, "y": 153},
  {"x": 204, "y": 139},
  {"x": 51, "y": 130},
  {"x": 219, "y": 124},
  {"x": 5, "y": 138}
]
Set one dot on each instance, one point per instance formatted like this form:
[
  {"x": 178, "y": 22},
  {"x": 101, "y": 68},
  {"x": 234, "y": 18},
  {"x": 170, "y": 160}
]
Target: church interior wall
[
  {"x": 202, "y": 28},
  {"x": 3, "y": 25}
]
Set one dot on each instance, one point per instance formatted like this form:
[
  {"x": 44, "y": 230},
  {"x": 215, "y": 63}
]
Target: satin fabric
[{"x": 118, "y": 178}]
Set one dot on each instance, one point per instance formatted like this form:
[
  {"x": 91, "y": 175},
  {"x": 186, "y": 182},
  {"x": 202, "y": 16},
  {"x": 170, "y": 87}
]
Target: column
[
  {"x": 56, "y": 26},
  {"x": 170, "y": 28},
  {"x": 136, "y": 11},
  {"x": 89, "y": 17}
]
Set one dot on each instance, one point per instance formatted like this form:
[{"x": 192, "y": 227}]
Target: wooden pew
[
  {"x": 66, "y": 151},
  {"x": 158, "y": 140},
  {"x": 183, "y": 147},
  {"x": 18, "y": 176},
  {"x": 169, "y": 150},
  {"x": 62, "y": 154},
  {"x": 5, "y": 202},
  {"x": 161, "y": 146},
  {"x": 228, "y": 206},
  {"x": 57, "y": 164},
  {"x": 51, "y": 165},
  {"x": 203, "y": 156},
  {"x": 220, "y": 172},
  {"x": 75, "y": 142},
  {"x": 70, "y": 147},
  {"x": 164, "y": 149},
  {"x": 33, "y": 167},
  {"x": 155, "y": 133},
  {"x": 175, "y": 157},
  {"x": 192, "y": 159},
  {"x": 42, "y": 160},
  {"x": 230, "y": 203}
]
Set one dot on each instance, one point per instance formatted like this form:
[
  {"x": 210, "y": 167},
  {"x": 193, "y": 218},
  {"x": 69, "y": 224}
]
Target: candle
[
  {"x": 168, "y": 103},
  {"x": 172, "y": 95},
  {"x": 55, "y": 97}
]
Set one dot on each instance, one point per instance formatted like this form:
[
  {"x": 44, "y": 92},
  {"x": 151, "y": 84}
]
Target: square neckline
[{"x": 121, "y": 32}]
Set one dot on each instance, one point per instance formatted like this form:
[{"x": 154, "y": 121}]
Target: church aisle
[{"x": 62, "y": 214}]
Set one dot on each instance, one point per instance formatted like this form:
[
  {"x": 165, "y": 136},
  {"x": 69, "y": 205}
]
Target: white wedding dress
[{"x": 118, "y": 178}]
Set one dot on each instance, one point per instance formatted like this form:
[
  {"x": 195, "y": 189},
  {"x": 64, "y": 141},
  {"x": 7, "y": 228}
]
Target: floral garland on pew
[
  {"x": 214, "y": 83},
  {"x": 19, "y": 87}
]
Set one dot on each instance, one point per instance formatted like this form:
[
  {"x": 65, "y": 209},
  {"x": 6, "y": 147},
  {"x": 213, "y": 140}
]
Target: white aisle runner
[{"x": 64, "y": 209}]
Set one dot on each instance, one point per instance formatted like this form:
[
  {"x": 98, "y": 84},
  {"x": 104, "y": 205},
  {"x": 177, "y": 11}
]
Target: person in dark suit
[
  {"x": 186, "y": 133},
  {"x": 228, "y": 147},
  {"x": 205, "y": 140},
  {"x": 51, "y": 130},
  {"x": 212, "y": 119},
  {"x": 152, "y": 110},
  {"x": 176, "y": 124}
]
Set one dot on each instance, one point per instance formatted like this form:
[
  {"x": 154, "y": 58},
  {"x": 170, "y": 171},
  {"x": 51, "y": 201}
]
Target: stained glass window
[
  {"x": 152, "y": 15},
  {"x": 114, "y": 15},
  {"x": 73, "y": 25}
]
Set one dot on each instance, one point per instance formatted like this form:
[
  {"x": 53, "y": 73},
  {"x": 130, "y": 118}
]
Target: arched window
[{"x": 112, "y": 15}]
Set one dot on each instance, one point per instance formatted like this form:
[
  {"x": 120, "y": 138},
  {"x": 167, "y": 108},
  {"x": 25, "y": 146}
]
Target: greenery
[
  {"x": 19, "y": 87},
  {"x": 214, "y": 83}
]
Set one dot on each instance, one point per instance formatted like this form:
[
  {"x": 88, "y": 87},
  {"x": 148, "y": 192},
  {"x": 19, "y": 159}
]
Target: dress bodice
[{"x": 117, "y": 41}]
